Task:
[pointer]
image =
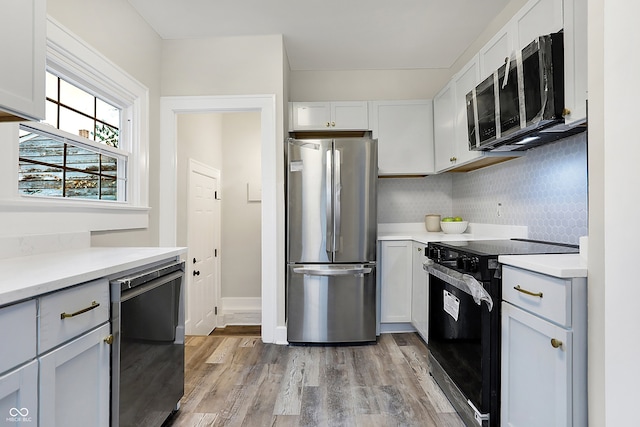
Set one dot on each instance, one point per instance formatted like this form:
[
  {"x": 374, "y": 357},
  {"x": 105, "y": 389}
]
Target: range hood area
[{"x": 521, "y": 105}]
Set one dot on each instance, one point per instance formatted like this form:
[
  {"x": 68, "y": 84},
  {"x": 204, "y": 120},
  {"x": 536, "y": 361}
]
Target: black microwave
[{"x": 510, "y": 109}]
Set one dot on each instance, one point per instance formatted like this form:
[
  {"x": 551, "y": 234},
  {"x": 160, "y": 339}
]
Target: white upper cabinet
[
  {"x": 23, "y": 53},
  {"x": 496, "y": 51},
  {"x": 536, "y": 18},
  {"x": 444, "y": 113},
  {"x": 575, "y": 60},
  {"x": 450, "y": 124},
  {"x": 404, "y": 130},
  {"x": 340, "y": 115}
]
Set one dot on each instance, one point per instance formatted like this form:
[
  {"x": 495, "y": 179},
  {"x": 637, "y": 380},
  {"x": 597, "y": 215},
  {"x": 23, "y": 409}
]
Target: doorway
[{"x": 272, "y": 205}]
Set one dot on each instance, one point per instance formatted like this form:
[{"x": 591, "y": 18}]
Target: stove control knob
[{"x": 471, "y": 264}]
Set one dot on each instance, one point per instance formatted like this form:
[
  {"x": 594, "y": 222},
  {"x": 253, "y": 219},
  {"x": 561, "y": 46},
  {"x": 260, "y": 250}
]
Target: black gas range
[{"x": 465, "y": 292}]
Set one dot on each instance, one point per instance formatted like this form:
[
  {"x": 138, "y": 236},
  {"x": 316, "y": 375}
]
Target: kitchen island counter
[{"x": 28, "y": 276}]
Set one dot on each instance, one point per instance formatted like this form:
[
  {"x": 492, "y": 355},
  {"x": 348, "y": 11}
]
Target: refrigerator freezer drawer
[{"x": 331, "y": 303}]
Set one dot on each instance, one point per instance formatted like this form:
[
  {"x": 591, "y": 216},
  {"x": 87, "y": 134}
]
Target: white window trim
[{"x": 68, "y": 54}]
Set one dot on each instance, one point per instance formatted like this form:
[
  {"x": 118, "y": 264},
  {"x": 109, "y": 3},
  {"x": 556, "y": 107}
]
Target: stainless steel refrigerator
[{"x": 331, "y": 240}]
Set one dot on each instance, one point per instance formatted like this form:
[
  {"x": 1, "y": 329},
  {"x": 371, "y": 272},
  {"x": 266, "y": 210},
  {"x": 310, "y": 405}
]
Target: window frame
[{"x": 69, "y": 56}]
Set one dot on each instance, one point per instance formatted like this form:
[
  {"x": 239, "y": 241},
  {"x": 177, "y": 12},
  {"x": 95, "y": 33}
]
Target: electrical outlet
[{"x": 499, "y": 210}]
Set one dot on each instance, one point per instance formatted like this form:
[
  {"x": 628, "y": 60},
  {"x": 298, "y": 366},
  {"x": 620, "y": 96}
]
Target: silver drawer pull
[
  {"x": 93, "y": 305},
  {"x": 524, "y": 291}
]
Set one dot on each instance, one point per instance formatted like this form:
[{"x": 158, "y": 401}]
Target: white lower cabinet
[
  {"x": 544, "y": 350},
  {"x": 19, "y": 395},
  {"x": 420, "y": 293},
  {"x": 535, "y": 375},
  {"x": 74, "y": 382},
  {"x": 395, "y": 281}
]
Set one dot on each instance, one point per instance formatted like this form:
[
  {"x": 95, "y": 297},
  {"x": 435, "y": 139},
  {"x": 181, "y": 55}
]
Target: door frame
[
  {"x": 211, "y": 172},
  {"x": 272, "y": 244}
]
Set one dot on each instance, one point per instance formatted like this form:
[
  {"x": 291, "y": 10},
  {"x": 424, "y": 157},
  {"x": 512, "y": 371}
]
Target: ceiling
[{"x": 335, "y": 34}]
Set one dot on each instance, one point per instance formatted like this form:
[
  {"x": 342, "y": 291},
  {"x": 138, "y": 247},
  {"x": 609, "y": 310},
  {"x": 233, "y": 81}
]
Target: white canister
[{"x": 432, "y": 222}]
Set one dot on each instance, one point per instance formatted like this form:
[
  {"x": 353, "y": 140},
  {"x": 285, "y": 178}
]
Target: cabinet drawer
[
  {"x": 69, "y": 313},
  {"x": 551, "y": 297},
  {"x": 18, "y": 340}
]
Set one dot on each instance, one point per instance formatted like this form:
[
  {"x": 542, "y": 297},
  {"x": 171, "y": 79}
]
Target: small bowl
[{"x": 454, "y": 227}]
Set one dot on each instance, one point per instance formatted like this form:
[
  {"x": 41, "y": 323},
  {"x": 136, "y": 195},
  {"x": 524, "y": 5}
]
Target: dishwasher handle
[{"x": 138, "y": 290}]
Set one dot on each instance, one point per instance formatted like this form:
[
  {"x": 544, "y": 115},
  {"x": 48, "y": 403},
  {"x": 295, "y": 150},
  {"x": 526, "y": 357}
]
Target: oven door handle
[
  {"x": 463, "y": 282},
  {"x": 126, "y": 295}
]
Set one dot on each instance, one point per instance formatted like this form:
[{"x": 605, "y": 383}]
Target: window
[
  {"x": 79, "y": 112},
  {"x": 54, "y": 166},
  {"x": 91, "y": 184},
  {"x": 65, "y": 164}
]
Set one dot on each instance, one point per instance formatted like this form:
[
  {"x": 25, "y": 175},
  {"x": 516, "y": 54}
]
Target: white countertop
[
  {"x": 31, "y": 275},
  {"x": 562, "y": 265},
  {"x": 557, "y": 265},
  {"x": 418, "y": 233}
]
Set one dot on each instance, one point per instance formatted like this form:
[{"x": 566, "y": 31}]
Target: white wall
[
  {"x": 366, "y": 85},
  {"x": 241, "y": 219},
  {"x": 614, "y": 177},
  {"x": 241, "y": 66},
  {"x": 110, "y": 27},
  {"x": 199, "y": 138}
]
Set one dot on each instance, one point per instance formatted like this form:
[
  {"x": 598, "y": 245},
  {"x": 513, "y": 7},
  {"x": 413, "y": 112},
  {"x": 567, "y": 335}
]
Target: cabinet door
[
  {"x": 19, "y": 395},
  {"x": 349, "y": 115},
  {"x": 536, "y": 18},
  {"x": 404, "y": 130},
  {"x": 535, "y": 375},
  {"x": 575, "y": 60},
  {"x": 496, "y": 51},
  {"x": 444, "y": 114},
  {"x": 466, "y": 79},
  {"x": 74, "y": 382},
  {"x": 419, "y": 294},
  {"x": 23, "y": 51},
  {"x": 395, "y": 282},
  {"x": 311, "y": 115}
]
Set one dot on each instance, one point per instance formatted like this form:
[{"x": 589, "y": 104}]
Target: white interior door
[{"x": 203, "y": 275}]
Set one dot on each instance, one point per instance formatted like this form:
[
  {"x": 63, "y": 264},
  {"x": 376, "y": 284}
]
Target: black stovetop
[{"x": 509, "y": 247}]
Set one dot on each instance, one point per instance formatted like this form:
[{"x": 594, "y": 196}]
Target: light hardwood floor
[{"x": 236, "y": 380}]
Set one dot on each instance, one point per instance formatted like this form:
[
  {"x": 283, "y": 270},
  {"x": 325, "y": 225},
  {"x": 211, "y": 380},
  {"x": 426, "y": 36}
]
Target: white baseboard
[
  {"x": 240, "y": 311},
  {"x": 281, "y": 335},
  {"x": 396, "y": 328}
]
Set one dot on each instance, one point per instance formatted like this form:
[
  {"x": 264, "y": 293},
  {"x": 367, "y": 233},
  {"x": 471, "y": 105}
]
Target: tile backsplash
[
  {"x": 410, "y": 199},
  {"x": 545, "y": 190}
]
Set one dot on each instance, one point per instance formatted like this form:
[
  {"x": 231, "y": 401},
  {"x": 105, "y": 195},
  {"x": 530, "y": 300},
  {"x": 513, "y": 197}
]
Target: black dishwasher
[{"x": 147, "y": 363}]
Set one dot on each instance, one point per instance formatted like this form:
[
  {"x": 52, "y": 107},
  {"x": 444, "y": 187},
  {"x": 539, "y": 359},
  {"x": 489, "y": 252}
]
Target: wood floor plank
[
  {"x": 225, "y": 351},
  {"x": 236, "y": 380}
]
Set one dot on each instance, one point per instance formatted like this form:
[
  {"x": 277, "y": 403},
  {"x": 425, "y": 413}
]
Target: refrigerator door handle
[
  {"x": 329, "y": 203},
  {"x": 352, "y": 271},
  {"x": 337, "y": 183}
]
